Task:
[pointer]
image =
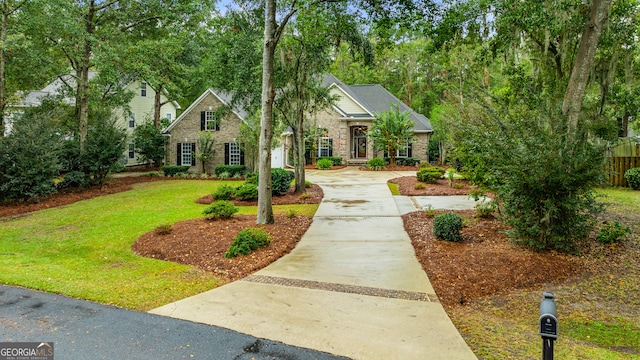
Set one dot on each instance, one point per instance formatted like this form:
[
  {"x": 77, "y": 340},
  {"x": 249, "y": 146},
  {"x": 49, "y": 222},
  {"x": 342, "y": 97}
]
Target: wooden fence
[{"x": 620, "y": 164}]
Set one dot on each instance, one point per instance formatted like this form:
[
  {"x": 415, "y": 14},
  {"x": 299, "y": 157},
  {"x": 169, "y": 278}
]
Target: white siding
[{"x": 346, "y": 104}]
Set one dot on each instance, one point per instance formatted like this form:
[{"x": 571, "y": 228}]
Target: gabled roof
[
  {"x": 224, "y": 97},
  {"x": 34, "y": 97},
  {"x": 374, "y": 99}
]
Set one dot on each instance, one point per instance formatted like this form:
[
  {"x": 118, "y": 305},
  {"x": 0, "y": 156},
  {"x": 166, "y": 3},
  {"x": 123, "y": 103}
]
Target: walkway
[{"x": 352, "y": 286}]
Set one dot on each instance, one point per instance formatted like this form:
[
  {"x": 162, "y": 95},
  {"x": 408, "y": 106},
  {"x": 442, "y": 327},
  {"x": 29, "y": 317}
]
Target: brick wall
[{"x": 188, "y": 130}]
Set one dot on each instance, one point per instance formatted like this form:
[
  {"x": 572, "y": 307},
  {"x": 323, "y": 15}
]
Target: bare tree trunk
[
  {"x": 82, "y": 72},
  {"x": 299, "y": 137},
  {"x": 265, "y": 208},
  {"x": 157, "y": 106},
  {"x": 3, "y": 63},
  {"x": 574, "y": 95}
]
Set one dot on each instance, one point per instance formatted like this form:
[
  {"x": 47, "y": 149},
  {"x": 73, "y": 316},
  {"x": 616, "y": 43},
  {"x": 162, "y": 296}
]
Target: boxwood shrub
[
  {"x": 246, "y": 241},
  {"x": 430, "y": 174},
  {"x": 324, "y": 164},
  {"x": 220, "y": 210},
  {"x": 335, "y": 160},
  {"x": 280, "y": 181},
  {"x": 224, "y": 192},
  {"x": 376, "y": 163},
  {"x": 447, "y": 227}
]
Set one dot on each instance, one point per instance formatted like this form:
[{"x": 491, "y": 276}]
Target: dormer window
[{"x": 143, "y": 89}]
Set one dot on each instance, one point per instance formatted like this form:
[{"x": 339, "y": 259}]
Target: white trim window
[
  {"x": 211, "y": 121},
  {"x": 187, "y": 154},
  {"x": 325, "y": 145},
  {"x": 132, "y": 151},
  {"x": 169, "y": 117},
  {"x": 143, "y": 89},
  {"x": 132, "y": 120},
  {"x": 235, "y": 154}
]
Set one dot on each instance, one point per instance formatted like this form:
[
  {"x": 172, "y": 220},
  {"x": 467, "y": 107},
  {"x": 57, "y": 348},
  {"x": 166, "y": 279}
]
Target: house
[
  {"x": 207, "y": 113},
  {"x": 347, "y": 121},
  {"x": 345, "y": 127},
  {"x": 138, "y": 110}
]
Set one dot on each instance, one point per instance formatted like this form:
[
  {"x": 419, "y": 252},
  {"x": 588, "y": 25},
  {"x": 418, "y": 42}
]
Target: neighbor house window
[
  {"x": 186, "y": 152},
  {"x": 132, "y": 120},
  {"x": 325, "y": 145},
  {"x": 169, "y": 117},
  {"x": 233, "y": 154},
  {"x": 132, "y": 151},
  {"x": 143, "y": 89}
]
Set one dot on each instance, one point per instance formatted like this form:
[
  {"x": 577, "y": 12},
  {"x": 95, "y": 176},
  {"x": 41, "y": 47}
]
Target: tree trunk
[
  {"x": 265, "y": 208},
  {"x": 3, "y": 63},
  {"x": 157, "y": 105},
  {"x": 82, "y": 96},
  {"x": 299, "y": 138},
  {"x": 574, "y": 95}
]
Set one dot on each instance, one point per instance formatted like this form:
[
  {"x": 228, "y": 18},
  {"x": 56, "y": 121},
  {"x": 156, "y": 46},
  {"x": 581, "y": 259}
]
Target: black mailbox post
[{"x": 548, "y": 325}]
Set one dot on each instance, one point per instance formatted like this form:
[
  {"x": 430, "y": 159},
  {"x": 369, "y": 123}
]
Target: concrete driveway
[{"x": 352, "y": 287}]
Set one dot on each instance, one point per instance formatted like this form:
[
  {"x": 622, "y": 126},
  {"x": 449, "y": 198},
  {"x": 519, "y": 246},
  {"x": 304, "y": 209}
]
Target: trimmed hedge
[
  {"x": 336, "y": 161},
  {"x": 246, "y": 191},
  {"x": 233, "y": 170},
  {"x": 172, "y": 170},
  {"x": 430, "y": 174}
]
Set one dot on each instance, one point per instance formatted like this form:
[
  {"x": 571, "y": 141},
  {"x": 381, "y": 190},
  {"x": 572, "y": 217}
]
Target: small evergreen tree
[
  {"x": 104, "y": 148},
  {"x": 149, "y": 143},
  {"x": 29, "y": 158},
  {"x": 391, "y": 131},
  {"x": 205, "y": 149}
]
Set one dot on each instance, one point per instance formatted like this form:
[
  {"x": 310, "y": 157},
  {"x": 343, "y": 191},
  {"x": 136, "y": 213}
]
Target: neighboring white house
[{"x": 139, "y": 109}]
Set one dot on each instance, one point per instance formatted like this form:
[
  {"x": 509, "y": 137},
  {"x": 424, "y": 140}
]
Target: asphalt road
[{"x": 84, "y": 330}]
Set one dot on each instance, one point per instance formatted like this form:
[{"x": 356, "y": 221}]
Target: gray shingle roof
[{"x": 376, "y": 99}]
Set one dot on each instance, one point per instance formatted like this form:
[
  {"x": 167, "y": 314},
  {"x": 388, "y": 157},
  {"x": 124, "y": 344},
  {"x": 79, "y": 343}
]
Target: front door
[{"x": 359, "y": 141}]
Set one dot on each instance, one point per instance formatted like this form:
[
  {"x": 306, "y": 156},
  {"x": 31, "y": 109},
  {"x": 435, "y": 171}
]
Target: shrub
[
  {"x": 280, "y": 181},
  {"x": 220, "y": 210},
  {"x": 324, "y": 164},
  {"x": 224, "y": 175},
  {"x": 246, "y": 241},
  {"x": 29, "y": 159},
  {"x": 337, "y": 161},
  {"x": 633, "y": 178},
  {"x": 485, "y": 209},
  {"x": 291, "y": 213},
  {"x": 610, "y": 232},
  {"x": 305, "y": 196},
  {"x": 424, "y": 165},
  {"x": 307, "y": 183},
  {"x": 149, "y": 143},
  {"x": 451, "y": 176},
  {"x": 429, "y": 211},
  {"x": 172, "y": 170},
  {"x": 103, "y": 150},
  {"x": 224, "y": 192},
  {"x": 246, "y": 191},
  {"x": 233, "y": 171},
  {"x": 73, "y": 179},
  {"x": 419, "y": 186},
  {"x": 407, "y": 161},
  {"x": 165, "y": 229},
  {"x": 430, "y": 174},
  {"x": 447, "y": 227},
  {"x": 376, "y": 163},
  {"x": 458, "y": 185}
]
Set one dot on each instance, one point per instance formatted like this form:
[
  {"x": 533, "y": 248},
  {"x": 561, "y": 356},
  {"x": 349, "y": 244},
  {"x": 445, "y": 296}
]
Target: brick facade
[{"x": 187, "y": 130}]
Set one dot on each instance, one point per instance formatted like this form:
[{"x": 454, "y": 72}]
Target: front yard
[{"x": 84, "y": 249}]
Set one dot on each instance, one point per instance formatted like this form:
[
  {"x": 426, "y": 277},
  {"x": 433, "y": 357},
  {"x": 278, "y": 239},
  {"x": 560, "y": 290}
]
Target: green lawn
[{"x": 84, "y": 249}]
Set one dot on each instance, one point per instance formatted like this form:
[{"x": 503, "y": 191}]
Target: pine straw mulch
[{"x": 484, "y": 263}]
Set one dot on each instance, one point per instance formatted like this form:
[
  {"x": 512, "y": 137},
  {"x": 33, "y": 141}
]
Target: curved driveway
[{"x": 352, "y": 287}]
